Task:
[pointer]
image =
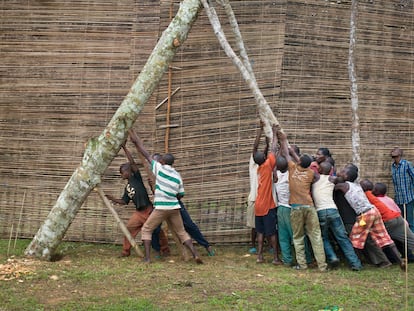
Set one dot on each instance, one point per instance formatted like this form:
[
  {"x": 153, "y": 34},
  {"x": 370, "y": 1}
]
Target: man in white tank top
[{"x": 329, "y": 219}]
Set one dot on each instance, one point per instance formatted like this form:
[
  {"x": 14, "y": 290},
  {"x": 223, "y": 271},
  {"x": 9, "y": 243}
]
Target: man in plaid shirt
[{"x": 403, "y": 179}]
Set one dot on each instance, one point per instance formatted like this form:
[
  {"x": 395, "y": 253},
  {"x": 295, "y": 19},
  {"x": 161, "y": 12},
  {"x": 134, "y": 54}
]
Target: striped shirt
[
  {"x": 168, "y": 184},
  {"x": 403, "y": 179}
]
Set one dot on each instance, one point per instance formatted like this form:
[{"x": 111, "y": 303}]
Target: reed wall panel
[{"x": 67, "y": 65}]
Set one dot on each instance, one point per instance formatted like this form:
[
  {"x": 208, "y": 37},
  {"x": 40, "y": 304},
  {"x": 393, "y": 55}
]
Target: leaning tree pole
[{"x": 101, "y": 150}]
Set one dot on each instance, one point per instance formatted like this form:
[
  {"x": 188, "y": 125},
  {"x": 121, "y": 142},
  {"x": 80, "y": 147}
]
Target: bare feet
[{"x": 198, "y": 260}]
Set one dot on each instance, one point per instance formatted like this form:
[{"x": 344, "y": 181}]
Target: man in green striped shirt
[{"x": 169, "y": 189}]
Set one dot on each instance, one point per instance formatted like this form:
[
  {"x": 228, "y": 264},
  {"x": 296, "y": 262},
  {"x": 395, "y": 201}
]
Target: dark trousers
[{"x": 191, "y": 228}]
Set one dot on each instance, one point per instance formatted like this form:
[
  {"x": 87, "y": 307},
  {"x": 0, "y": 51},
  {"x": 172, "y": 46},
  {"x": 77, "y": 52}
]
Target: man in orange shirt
[{"x": 264, "y": 206}]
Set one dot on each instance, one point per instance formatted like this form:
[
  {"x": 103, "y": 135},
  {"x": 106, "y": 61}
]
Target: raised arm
[
  {"x": 274, "y": 147},
  {"x": 128, "y": 154},
  {"x": 293, "y": 154},
  {"x": 257, "y": 139},
  {"x": 284, "y": 148},
  {"x": 266, "y": 148},
  {"x": 139, "y": 145}
]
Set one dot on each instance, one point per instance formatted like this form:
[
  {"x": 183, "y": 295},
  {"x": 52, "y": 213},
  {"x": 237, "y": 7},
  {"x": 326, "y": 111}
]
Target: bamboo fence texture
[{"x": 66, "y": 66}]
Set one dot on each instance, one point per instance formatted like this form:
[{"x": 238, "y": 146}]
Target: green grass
[{"x": 91, "y": 277}]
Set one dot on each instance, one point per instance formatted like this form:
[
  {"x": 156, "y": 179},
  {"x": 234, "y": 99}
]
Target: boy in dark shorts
[{"x": 265, "y": 207}]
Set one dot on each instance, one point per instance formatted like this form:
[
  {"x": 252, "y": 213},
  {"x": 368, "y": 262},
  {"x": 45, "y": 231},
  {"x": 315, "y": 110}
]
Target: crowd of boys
[
  {"x": 321, "y": 213},
  {"x": 298, "y": 202}
]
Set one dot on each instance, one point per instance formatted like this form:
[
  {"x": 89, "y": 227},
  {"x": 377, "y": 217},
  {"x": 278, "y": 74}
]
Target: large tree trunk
[
  {"x": 101, "y": 150},
  {"x": 356, "y": 157}
]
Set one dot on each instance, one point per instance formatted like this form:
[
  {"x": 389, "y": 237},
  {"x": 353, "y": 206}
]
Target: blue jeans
[
  {"x": 329, "y": 219},
  {"x": 409, "y": 207},
  {"x": 191, "y": 228}
]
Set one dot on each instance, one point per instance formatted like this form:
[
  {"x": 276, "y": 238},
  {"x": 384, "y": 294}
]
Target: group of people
[
  {"x": 299, "y": 204},
  {"x": 168, "y": 190},
  {"x": 302, "y": 204}
]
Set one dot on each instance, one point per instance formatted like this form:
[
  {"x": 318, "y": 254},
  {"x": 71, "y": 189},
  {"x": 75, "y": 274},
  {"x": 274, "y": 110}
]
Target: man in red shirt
[
  {"x": 396, "y": 226},
  {"x": 264, "y": 206}
]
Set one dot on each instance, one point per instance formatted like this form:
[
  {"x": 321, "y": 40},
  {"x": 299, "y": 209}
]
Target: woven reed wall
[{"x": 66, "y": 66}]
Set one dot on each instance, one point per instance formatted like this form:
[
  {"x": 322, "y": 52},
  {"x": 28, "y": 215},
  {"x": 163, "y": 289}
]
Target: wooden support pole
[{"x": 119, "y": 221}]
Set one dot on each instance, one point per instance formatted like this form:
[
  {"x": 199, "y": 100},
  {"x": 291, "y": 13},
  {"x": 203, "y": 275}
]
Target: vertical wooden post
[{"x": 185, "y": 253}]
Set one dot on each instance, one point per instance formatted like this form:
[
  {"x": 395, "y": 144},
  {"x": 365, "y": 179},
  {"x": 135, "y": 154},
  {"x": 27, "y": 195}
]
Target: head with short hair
[
  {"x": 349, "y": 172},
  {"x": 168, "y": 159},
  {"x": 281, "y": 164},
  {"x": 366, "y": 184},
  {"x": 325, "y": 168},
  {"x": 305, "y": 160},
  {"x": 379, "y": 189},
  {"x": 125, "y": 170},
  {"x": 157, "y": 157},
  {"x": 396, "y": 154},
  {"x": 259, "y": 157}
]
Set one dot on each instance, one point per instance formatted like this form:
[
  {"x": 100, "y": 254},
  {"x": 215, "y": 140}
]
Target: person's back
[
  {"x": 282, "y": 188},
  {"x": 168, "y": 184},
  {"x": 264, "y": 199},
  {"x": 396, "y": 226},
  {"x": 285, "y": 234},
  {"x": 323, "y": 188},
  {"x": 368, "y": 217},
  {"x": 380, "y": 191},
  {"x": 300, "y": 180},
  {"x": 265, "y": 205},
  {"x": 357, "y": 198},
  {"x": 304, "y": 218},
  {"x": 330, "y": 220}
]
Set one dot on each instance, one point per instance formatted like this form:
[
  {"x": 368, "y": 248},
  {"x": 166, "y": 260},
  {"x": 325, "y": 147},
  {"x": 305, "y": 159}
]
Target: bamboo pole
[
  {"x": 167, "y": 98},
  {"x": 20, "y": 219},
  {"x": 167, "y": 121},
  {"x": 119, "y": 222}
]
